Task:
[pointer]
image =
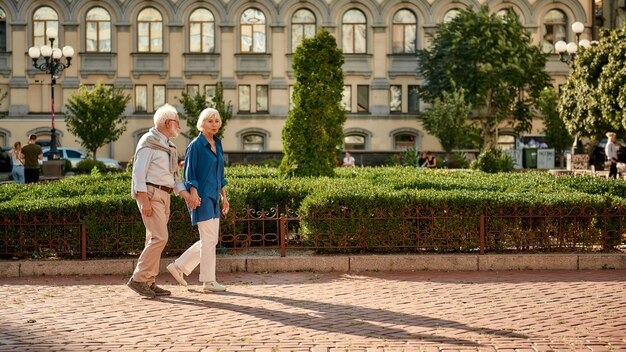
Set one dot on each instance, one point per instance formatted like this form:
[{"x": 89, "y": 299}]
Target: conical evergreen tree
[{"x": 313, "y": 133}]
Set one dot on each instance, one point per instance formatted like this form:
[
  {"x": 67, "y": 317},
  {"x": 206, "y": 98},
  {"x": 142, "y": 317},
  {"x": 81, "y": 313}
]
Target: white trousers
[{"x": 202, "y": 252}]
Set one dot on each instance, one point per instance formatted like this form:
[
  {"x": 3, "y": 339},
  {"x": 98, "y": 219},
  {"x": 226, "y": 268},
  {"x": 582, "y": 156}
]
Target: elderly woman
[{"x": 204, "y": 179}]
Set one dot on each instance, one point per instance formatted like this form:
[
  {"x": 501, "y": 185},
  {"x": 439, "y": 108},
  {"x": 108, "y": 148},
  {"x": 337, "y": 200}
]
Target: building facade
[{"x": 154, "y": 50}]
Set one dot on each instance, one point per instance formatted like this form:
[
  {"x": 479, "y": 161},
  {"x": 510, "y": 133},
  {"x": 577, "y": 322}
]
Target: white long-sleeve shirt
[{"x": 611, "y": 150}]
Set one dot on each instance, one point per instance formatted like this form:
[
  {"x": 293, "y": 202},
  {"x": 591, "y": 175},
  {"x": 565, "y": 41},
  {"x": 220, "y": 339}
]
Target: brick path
[{"x": 422, "y": 311}]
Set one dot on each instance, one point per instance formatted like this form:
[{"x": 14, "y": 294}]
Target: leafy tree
[
  {"x": 493, "y": 60},
  {"x": 593, "y": 99},
  {"x": 313, "y": 132},
  {"x": 556, "y": 133},
  {"x": 194, "y": 104},
  {"x": 446, "y": 119},
  {"x": 96, "y": 116}
]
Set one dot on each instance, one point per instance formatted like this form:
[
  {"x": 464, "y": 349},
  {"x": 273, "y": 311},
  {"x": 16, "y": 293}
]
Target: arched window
[
  {"x": 354, "y": 32},
  {"x": 3, "y": 31},
  {"x": 302, "y": 27},
  {"x": 554, "y": 24},
  {"x": 404, "y": 37},
  {"x": 506, "y": 141},
  {"x": 43, "y": 18},
  {"x": 253, "y": 141},
  {"x": 150, "y": 31},
  {"x": 450, "y": 15},
  {"x": 201, "y": 31},
  {"x": 355, "y": 141},
  {"x": 405, "y": 140},
  {"x": 98, "y": 30},
  {"x": 252, "y": 31}
]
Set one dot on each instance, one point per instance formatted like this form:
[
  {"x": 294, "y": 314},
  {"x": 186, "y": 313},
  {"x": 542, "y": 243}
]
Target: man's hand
[
  {"x": 144, "y": 204},
  {"x": 192, "y": 201}
]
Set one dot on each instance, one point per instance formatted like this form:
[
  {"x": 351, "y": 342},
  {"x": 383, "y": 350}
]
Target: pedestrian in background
[
  {"x": 204, "y": 178},
  {"x": 155, "y": 175},
  {"x": 18, "y": 163},
  {"x": 611, "y": 153},
  {"x": 32, "y": 154},
  {"x": 348, "y": 160}
]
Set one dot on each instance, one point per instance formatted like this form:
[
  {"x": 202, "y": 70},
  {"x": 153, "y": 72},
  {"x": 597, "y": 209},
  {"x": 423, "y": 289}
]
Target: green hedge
[{"x": 370, "y": 207}]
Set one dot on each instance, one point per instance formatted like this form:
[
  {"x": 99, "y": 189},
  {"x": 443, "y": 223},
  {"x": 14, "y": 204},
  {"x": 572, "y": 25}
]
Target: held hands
[{"x": 191, "y": 198}]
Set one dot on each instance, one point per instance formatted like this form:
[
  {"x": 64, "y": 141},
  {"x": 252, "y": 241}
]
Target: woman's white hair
[
  {"x": 164, "y": 113},
  {"x": 205, "y": 114}
]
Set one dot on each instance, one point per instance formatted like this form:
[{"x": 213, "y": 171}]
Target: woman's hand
[{"x": 225, "y": 205}]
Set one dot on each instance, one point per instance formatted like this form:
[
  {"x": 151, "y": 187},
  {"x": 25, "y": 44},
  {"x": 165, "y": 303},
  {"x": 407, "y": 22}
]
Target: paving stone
[{"x": 312, "y": 311}]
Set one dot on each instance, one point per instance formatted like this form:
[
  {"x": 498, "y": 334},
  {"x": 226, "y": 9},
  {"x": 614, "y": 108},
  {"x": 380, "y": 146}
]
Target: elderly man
[{"x": 155, "y": 176}]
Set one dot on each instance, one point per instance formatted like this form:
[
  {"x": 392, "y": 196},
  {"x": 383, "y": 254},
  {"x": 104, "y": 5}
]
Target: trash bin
[{"x": 530, "y": 158}]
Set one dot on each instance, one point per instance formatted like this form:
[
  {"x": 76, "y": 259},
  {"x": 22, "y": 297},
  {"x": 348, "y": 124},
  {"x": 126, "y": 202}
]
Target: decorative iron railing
[{"x": 472, "y": 230}]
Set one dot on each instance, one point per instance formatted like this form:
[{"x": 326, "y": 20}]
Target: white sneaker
[
  {"x": 213, "y": 286},
  {"x": 177, "y": 274}
]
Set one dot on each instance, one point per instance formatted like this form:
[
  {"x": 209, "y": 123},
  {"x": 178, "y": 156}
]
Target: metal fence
[{"x": 471, "y": 230}]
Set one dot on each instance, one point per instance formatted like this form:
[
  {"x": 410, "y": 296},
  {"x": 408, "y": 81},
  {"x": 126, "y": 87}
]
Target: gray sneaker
[
  {"x": 141, "y": 288},
  {"x": 159, "y": 291},
  {"x": 213, "y": 286},
  {"x": 177, "y": 274}
]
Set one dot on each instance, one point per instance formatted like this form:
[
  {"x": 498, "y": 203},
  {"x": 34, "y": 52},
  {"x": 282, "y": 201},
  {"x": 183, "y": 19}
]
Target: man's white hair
[
  {"x": 163, "y": 114},
  {"x": 205, "y": 114}
]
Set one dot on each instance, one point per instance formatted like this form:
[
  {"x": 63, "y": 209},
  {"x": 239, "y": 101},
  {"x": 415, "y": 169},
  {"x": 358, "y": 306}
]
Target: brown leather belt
[{"x": 162, "y": 188}]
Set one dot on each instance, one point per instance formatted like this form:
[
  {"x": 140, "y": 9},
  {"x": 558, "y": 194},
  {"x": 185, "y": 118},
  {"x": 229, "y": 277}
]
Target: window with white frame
[
  {"x": 252, "y": 27},
  {"x": 262, "y": 98},
  {"x": 209, "y": 91},
  {"x": 43, "y": 18},
  {"x": 354, "y": 32},
  {"x": 346, "y": 98},
  {"x": 150, "y": 31},
  {"x": 363, "y": 98},
  {"x": 201, "y": 31},
  {"x": 355, "y": 141},
  {"x": 141, "y": 98},
  {"x": 253, "y": 141},
  {"x": 450, "y": 15},
  {"x": 158, "y": 96},
  {"x": 395, "y": 98},
  {"x": 193, "y": 90},
  {"x": 3, "y": 31},
  {"x": 554, "y": 29},
  {"x": 413, "y": 99},
  {"x": 404, "y": 32},
  {"x": 405, "y": 140},
  {"x": 302, "y": 27},
  {"x": 98, "y": 30},
  {"x": 244, "y": 98}
]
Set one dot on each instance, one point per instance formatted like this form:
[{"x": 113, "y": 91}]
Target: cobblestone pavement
[{"x": 306, "y": 311}]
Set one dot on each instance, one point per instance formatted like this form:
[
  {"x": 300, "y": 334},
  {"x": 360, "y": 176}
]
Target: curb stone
[{"x": 341, "y": 263}]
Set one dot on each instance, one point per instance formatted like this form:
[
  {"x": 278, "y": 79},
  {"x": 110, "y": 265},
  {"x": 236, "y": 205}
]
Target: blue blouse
[{"x": 204, "y": 170}]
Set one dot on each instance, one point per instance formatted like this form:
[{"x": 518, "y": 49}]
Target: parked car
[
  {"x": 6, "y": 163},
  {"x": 76, "y": 155}
]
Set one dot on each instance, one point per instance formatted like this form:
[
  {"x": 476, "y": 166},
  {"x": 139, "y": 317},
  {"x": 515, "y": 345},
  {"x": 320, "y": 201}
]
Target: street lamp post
[
  {"x": 567, "y": 51},
  {"x": 567, "y": 54},
  {"x": 52, "y": 65}
]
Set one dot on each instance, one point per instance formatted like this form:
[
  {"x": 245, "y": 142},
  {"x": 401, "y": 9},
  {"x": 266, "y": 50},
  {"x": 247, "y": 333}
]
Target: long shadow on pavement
[{"x": 347, "y": 319}]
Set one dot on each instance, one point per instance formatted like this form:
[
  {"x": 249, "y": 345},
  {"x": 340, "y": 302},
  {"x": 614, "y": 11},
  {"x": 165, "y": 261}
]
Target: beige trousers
[
  {"x": 156, "y": 236},
  {"x": 202, "y": 252}
]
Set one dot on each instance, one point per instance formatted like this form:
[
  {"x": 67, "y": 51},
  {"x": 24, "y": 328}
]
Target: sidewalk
[{"x": 309, "y": 311}]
